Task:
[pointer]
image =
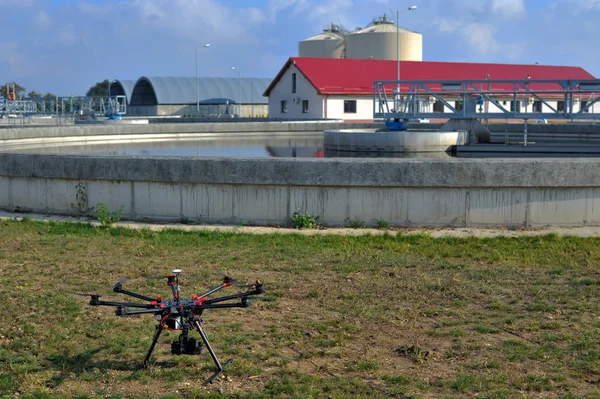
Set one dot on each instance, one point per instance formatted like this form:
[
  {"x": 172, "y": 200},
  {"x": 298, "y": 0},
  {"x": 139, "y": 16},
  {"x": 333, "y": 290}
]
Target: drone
[{"x": 181, "y": 314}]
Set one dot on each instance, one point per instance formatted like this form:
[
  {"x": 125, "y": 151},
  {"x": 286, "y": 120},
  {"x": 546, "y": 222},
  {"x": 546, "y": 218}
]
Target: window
[
  {"x": 293, "y": 83},
  {"x": 582, "y": 105},
  {"x": 438, "y": 106},
  {"x": 515, "y": 106},
  {"x": 305, "y": 106},
  {"x": 458, "y": 105},
  {"x": 537, "y": 106},
  {"x": 284, "y": 107},
  {"x": 349, "y": 106},
  {"x": 560, "y": 106}
]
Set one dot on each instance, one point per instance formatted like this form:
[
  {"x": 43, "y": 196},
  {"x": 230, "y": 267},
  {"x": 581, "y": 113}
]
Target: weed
[
  {"x": 382, "y": 224},
  {"x": 356, "y": 223},
  {"x": 303, "y": 220},
  {"x": 105, "y": 218}
]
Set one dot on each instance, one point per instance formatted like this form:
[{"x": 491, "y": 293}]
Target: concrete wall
[
  {"x": 113, "y": 128},
  {"x": 468, "y": 192}
]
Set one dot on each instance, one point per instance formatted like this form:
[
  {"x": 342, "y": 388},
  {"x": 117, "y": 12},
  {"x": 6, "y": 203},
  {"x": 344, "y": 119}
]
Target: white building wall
[
  {"x": 304, "y": 91},
  {"x": 332, "y": 106},
  {"x": 364, "y": 107}
]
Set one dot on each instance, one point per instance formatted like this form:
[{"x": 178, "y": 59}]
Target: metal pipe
[{"x": 197, "y": 92}]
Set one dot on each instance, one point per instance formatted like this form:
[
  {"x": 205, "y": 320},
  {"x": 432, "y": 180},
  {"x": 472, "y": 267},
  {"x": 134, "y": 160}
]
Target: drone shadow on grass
[{"x": 83, "y": 363}]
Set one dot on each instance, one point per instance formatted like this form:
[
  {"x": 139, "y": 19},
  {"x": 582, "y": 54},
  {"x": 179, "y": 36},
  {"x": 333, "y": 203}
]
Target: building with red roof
[{"x": 342, "y": 88}]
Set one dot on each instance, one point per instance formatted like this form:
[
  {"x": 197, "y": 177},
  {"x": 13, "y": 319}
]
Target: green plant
[
  {"x": 382, "y": 224},
  {"x": 104, "y": 216},
  {"x": 356, "y": 223},
  {"x": 303, "y": 220}
]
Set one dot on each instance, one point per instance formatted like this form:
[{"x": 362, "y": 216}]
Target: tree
[
  {"x": 34, "y": 94},
  {"x": 50, "y": 100},
  {"x": 99, "y": 89},
  {"x": 19, "y": 90}
]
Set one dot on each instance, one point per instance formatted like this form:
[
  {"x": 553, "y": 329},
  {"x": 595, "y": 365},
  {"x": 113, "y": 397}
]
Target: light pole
[
  {"x": 197, "y": 90},
  {"x": 411, "y": 8},
  {"x": 239, "y": 90}
]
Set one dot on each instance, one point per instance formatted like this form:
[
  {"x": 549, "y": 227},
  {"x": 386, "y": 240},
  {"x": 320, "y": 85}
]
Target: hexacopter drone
[{"x": 181, "y": 314}]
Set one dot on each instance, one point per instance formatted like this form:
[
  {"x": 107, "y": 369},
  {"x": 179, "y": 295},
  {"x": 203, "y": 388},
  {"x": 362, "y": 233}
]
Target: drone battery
[{"x": 173, "y": 323}]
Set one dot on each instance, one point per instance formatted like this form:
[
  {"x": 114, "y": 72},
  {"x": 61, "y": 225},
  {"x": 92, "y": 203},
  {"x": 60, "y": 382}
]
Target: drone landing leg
[
  {"x": 220, "y": 368},
  {"x": 159, "y": 329}
]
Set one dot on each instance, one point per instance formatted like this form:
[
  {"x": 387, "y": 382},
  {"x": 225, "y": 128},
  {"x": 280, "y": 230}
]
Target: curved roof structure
[
  {"x": 121, "y": 88},
  {"x": 158, "y": 90}
]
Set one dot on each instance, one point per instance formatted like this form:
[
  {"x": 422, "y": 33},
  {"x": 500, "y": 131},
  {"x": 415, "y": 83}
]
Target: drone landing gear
[
  {"x": 190, "y": 351},
  {"x": 220, "y": 368},
  {"x": 159, "y": 329}
]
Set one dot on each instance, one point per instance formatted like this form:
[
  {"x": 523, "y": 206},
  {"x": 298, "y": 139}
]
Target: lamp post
[
  {"x": 197, "y": 90},
  {"x": 239, "y": 99},
  {"x": 411, "y": 8}
]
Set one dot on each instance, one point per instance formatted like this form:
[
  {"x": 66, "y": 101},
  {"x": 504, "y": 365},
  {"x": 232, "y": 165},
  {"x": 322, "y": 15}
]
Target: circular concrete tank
[
  {"x": 329, "y": 44},
  {"x": 380, "y": 42},
  {"x": 362, "y": 140}
]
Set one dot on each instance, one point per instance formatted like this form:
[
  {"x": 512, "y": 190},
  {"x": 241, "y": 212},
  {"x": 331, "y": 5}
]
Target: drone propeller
[
  {"x": 121, "y": 282},
  {"x": 227, "y": 278}
]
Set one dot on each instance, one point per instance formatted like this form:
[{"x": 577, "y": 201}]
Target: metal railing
[
  {"x": 98, "y": 106},
  {"x": 487, "y": 99}
]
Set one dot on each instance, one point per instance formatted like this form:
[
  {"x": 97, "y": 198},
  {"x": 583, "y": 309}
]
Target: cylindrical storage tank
[
  {"x": 325, "y": 45},
  {"x": 380, "y": 42}
]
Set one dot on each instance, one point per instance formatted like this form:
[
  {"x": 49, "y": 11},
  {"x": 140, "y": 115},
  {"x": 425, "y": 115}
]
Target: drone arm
[
  {"x": 122, "y": 311},
  {"x": 97, "y": 302},
  {"x": 119, "y": 289},
  {"x": 213, "y": 290},
  {"x": 241, "y": 304},
  {"x": 235, "y": 296}
]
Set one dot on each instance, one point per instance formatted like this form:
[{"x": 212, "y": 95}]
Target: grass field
[{"x": 343, "y": 317}]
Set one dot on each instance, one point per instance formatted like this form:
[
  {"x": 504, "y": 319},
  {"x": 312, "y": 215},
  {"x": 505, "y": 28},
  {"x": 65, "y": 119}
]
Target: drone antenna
[{"x": 177, "y": 288}]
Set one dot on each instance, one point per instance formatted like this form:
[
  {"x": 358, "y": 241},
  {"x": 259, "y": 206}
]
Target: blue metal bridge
[{"x": 487, "y": 99}]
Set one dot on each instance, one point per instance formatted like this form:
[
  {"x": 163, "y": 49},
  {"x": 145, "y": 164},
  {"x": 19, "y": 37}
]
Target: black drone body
[{"x": 181, "y": 314}]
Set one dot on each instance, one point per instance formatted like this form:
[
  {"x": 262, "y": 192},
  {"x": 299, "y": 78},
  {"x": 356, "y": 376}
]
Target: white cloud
[
  {"x": 294, "y": 6},
  {"x": 331, "y": 9},
  {"x": 587, "y": 4},
  {"x": 447, "y": 25},
  {"x": 42, "y": 20},
  {"x": 508, "y": 8},
  {"x": 16, "y": 3},
  {"x": 194, "y": 19},
  {"x": 18, "y": 63},
  {"x": 481, "y": 38}
]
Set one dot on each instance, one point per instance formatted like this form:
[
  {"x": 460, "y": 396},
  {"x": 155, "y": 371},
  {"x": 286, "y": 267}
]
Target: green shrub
[
  {"x": 303, "y": 220},
  {"x": 104, "y": 216}
]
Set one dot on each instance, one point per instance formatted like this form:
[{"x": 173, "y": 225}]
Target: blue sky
[{"x": 65, "y": 46}]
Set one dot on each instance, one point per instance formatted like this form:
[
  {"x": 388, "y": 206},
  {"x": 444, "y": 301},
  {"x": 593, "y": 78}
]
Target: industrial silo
[
  {"x": 379, "y": 41},
  {"x": 329, "y": 44}
]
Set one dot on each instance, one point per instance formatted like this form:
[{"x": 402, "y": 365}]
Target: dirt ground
[{"x": 437, "y": 232}]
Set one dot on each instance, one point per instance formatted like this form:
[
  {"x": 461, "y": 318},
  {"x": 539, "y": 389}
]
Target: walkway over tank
[{"x": 486, "y": 99}]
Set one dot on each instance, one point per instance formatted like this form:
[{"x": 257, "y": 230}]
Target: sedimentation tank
[
  {"x": 380, "y": 39},
  {"x": 233, "y": 190},
  {"x": 329, "y": 44}
]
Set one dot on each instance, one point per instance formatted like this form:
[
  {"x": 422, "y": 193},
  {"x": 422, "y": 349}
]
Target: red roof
[{"x": 356, "y": 76}]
